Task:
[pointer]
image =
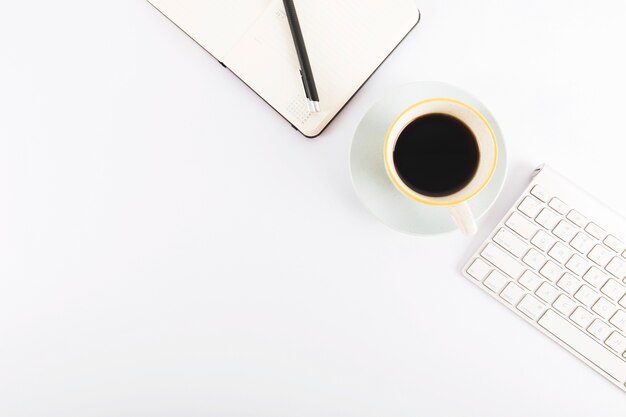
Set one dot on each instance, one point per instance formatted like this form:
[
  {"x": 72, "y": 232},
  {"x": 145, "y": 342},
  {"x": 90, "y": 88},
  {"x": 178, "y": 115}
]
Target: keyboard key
[
  {"x": 595, "y": 231},
  {"x": 619, "y": 320},
  {"x": 558, "y": 205},
  {"x": 509, "y": 241},
  {"x": 564, "y": 305},
  {"x": 599, "y": 329},
  {"x": 530, "y": 280},
  {"x": 547, "y": 218},
  {"x": 551, "y": 271},
  {"x": 560, "y": 252},
  {"x": 617, "y": 268},
  {"x": 577, "y": 265},
  {"x": 613, "y": 290},
  {"x": 534, "y": 259},
  {"x": 595, "y": 277},
  {"x": 584, "y": 345},
  {"x": 530, "y": 207},
  {"x": 577, "y": 218},
  {"x": 581, "y": 317},
  {"x": 614, "y": 243},
  {"x": 512, "y": 293},
  {"x": 616, "y": 342},
  {"x": 599, "y": 255},
  {"x": 604, "y": 308},
  {"x": 565, "y": 231},
  {"x": 521, "y": 226},
  {"x": 531, "y": 307},
  {"x": 582, "y": 243},
  {"x": 540, "y": 193},
  {"x": 547, "y": 293},
  {"x": 622, "y": 302},
  {"x": 569, "y": 283},
  {"x": 586, "y": 295},
  {"x": 495, "y": 281},
  {"x": 503, "y": 261},
  {"x": 479, "y": 269},
  {"x": 542, "y": 240}
]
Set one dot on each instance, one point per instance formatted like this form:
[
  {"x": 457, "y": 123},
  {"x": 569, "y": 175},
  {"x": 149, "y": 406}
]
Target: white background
[{"x": 170, "y": 246}]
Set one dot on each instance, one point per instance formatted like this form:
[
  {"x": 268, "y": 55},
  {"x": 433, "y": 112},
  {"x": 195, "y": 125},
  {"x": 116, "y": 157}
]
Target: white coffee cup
[{"x": 488, "y": 157}]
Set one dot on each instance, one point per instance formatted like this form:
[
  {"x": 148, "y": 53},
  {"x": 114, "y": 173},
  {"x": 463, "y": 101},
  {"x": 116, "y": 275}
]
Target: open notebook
[{"x": 347, "y": 40}]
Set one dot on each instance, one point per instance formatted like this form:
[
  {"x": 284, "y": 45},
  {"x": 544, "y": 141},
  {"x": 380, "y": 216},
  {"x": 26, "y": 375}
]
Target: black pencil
[{"x": 306, "y": 73}]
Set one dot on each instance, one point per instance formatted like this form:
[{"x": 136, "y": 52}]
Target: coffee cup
[{"x": 442, "y": 152}]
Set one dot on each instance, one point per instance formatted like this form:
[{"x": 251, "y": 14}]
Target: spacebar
[{"x": 583, "y": 344}]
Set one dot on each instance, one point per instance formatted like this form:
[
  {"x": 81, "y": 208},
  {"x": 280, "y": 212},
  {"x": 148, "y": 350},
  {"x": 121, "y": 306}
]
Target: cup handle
[{"x": 464, "y": 219}]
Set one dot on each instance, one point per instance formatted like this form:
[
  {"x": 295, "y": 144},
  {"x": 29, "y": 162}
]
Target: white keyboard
[{"x": 558, "y": 260}]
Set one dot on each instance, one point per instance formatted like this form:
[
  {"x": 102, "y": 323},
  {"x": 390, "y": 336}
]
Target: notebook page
[
  {"x": 215, "y": 24},
  {"x": 346, "y": 41}
]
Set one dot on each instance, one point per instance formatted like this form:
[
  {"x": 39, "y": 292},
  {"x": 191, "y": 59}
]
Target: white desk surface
[{"x": 170, "y": 246}]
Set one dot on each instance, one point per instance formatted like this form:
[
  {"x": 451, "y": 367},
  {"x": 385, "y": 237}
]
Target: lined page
[
  {"x": 346, "y": 41},
  {"x": 215, "y": 24}
]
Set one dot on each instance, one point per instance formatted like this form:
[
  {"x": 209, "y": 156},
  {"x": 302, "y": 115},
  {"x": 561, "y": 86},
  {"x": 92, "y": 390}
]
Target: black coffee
[{"x": 436, "y": 155}]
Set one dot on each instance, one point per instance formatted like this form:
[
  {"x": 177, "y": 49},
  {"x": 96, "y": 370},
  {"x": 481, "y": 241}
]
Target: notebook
[{"x": 347, "y": 40}]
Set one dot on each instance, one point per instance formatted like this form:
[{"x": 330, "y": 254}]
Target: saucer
[{"x": 375, "y": 189}]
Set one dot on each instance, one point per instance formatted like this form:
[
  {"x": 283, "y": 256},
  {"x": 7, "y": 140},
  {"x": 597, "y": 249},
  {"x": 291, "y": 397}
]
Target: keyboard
[{"x": 558, "y": 260}]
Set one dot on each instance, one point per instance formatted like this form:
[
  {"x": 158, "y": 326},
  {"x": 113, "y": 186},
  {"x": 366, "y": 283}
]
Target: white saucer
[{"x": 374, "y": 187}]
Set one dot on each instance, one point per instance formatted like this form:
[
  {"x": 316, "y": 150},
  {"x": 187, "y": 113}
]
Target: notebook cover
[{"x": 283, "y": 116}]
